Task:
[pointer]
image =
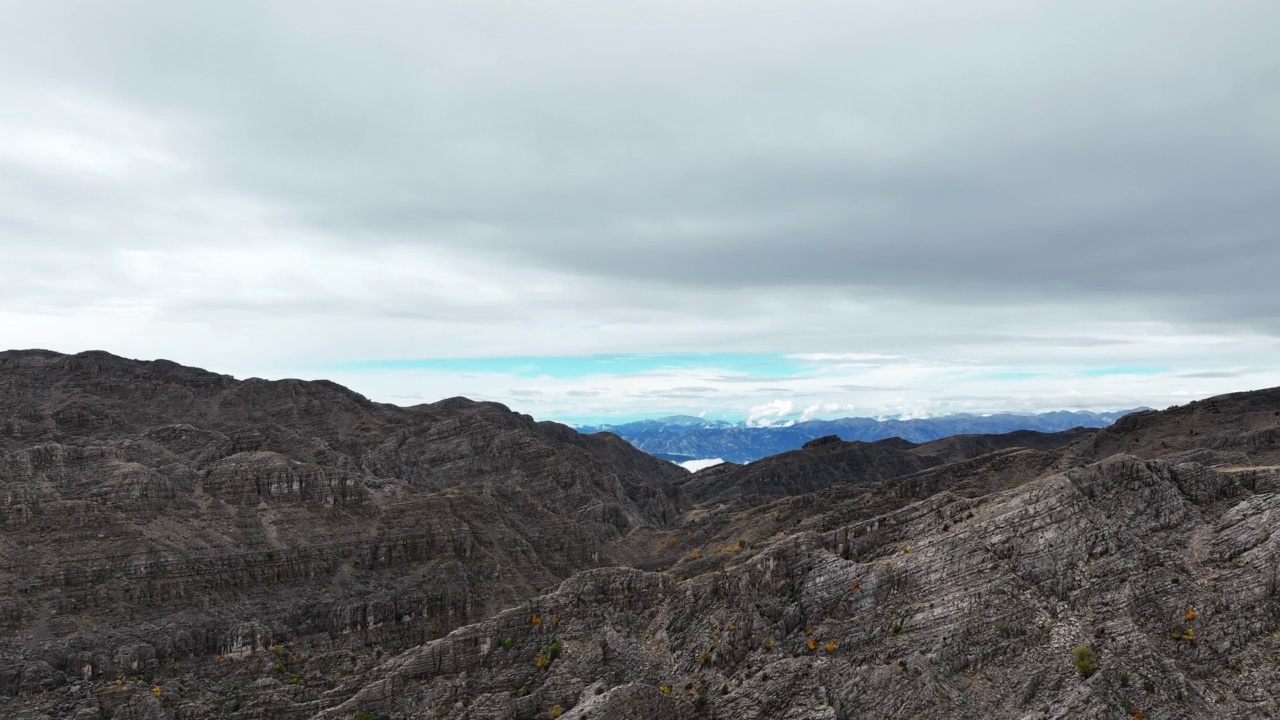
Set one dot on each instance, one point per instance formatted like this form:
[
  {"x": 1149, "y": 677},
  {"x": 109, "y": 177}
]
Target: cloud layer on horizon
[{"x": 286, "y": 188}]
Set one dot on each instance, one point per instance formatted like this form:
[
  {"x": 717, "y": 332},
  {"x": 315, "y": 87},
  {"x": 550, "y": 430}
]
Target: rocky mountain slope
[
  {"x": 178, "y": 544},
  {"x": 152, "y": 514},
  {"x": 681, "y": 438}
]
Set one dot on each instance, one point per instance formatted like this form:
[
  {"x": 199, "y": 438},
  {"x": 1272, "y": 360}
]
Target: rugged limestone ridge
[
  {"x": 152, "y": 514},
  {"x": 1247, "y": 423},
  {"x": 819, "y": 465},
  {"x": 899, "y": 617},
  {"x": 231, "y": 549},
  {"x": 965, "y": 447}
]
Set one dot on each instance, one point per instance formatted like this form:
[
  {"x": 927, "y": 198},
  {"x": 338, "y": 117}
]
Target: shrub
[
  {"x": 553, "y": 650},
  {"x": 832, "y": 645},
  {"x": 696, "y": 554},
  {"x": 666, "y": 689},
  {"x": 555, "y": 712},
  {"x": 853, "y": 586},
  {"x": 768, "y": 644},
  {"x": 542, "y": 661},
  {"x": 536, "y": 620},
  {"x": 1084, "y": 661},
  {"x": 508, "y": 642},
  {"x": 1190, "y": 614},
  {"x": 812, "y": 644}
]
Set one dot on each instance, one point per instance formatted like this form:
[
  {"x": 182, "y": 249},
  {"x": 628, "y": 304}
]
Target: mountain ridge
[
  {"x": 684, "y": 438},
  {"x": 176, "y": 543}
]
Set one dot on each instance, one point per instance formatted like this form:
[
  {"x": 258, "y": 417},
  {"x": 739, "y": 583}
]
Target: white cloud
[
  {"x": 696, "y": 465},
  {"x": 852, "y": 357},
  {"x": 823, "y": 409},
  {"x": 770, "y": 412}
]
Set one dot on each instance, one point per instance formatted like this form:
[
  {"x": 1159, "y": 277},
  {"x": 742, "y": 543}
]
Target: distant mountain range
[{"x": 681, "y": 438}]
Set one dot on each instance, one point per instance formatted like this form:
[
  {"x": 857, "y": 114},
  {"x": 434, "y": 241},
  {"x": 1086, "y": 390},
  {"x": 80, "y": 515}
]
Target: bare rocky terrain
[{"x": 179, "y": 544}]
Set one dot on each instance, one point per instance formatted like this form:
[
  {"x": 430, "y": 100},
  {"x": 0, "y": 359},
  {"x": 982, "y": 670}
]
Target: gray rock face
[
  {"x": 179, "y": 544},
  {"x": 948, "y": 607},
  {"x": 153, "y": 515}
]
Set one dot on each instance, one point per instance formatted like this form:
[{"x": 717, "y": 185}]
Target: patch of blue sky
[
  {"x": 1123, "y": 370},
  {"x": 751, "y": 364}
]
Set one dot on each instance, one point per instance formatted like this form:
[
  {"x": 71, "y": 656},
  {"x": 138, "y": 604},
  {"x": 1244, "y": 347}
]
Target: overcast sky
[{"x": 607, "y": 209}]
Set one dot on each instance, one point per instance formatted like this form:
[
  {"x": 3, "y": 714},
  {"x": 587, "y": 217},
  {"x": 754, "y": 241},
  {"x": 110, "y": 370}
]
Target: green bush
[{"x": 1084, "y": 661}]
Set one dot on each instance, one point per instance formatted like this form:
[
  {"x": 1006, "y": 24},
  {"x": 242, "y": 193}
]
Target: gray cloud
[
  {"x": 1215, "y": 374},
  {"x": 932, "y": 178}
]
